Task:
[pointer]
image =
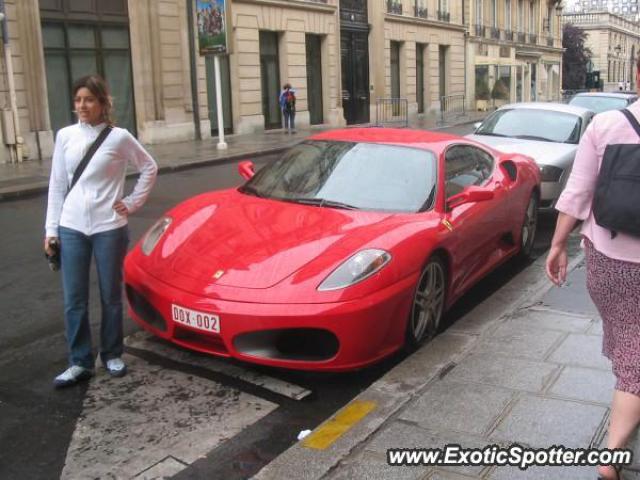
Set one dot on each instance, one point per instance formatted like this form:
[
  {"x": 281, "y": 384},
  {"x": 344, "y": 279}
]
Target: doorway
[
  {"x": 420, "y": 49},
  {"x": 270, "y": 80},
  {"x": 314, "y": 78},
  {"x": 355, "y": 76}
]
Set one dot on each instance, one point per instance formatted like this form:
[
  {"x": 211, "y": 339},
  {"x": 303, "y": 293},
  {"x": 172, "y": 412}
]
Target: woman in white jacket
[{"x": 91, "y": 220}]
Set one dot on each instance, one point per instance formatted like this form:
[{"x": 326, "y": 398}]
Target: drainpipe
[
  {"x": 16, "y": 141},
  {"x": 192, "y": 66},
  {"x": 465, "y": 36}
]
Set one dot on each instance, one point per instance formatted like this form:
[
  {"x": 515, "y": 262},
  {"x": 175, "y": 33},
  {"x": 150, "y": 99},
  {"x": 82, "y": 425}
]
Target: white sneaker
[
  {"x": 71, "y": 376},
  {"x": 116, "y": 367}
]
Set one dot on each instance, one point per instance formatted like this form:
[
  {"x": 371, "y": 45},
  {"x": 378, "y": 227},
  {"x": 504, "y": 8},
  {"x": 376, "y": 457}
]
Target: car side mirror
[
  {"x": 246, "y": 169},
  {"x": 469, "y": 195}
]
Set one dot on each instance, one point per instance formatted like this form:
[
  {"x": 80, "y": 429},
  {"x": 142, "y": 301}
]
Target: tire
[
  {"x": 529, "y": 227},
  {"x": 428, "y": 304}
]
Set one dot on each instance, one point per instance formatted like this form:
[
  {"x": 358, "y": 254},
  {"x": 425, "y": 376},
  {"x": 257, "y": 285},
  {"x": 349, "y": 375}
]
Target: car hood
[
  {"x": 238, "y": 240},
  {"x": 544, "y": 153}
]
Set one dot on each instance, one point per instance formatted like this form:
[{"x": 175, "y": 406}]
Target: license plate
[{"x": 192, "y": 318}]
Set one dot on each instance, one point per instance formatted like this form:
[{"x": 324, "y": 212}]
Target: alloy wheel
[
  {"x": 428, "y": 303},
  {"x": 529, "y": 227}
]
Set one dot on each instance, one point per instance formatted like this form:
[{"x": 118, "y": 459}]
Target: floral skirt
[{"x": 614, "y": 286}]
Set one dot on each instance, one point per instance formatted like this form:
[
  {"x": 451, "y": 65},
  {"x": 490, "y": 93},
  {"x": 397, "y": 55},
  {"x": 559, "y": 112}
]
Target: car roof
[
  {"x": 425, "y": 139},
  {"x": 607, "y": 94},
  {"x": 556, "y": 107}
]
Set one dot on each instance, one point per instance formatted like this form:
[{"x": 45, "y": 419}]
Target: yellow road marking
[{"x": 324, "y": 436}]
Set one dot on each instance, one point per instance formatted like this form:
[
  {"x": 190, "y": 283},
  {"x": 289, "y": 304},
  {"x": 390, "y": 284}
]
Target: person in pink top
[{"x": 613, "y": 271}]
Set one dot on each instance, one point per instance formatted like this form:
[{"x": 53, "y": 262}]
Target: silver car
[
  {"x": 603, "y": 101},
  {"x": 547, "y": 132}
]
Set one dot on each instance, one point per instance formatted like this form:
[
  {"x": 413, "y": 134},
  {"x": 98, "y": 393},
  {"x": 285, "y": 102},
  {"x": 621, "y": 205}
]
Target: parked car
[
  {"x": 603, "y": 101},
  {"x": 348, "y": 247},
  {"x": 548, "y": 132}
]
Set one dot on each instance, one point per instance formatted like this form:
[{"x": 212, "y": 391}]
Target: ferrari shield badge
[
  {"x": 218, "y": 274},
  {"x": 447, "y": 224}
]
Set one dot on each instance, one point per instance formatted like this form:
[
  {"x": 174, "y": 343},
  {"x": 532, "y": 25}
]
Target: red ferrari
[{"x": 348, "y": 247}]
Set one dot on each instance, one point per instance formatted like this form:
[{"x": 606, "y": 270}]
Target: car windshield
[
  {"x": 349, "y": 175},
  {"x": 599, "y": 104},
  {"x": 533, "y": 124}
]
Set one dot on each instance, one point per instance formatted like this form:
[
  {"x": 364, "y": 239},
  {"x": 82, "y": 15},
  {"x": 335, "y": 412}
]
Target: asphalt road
[{"x": 37, "y": 424}]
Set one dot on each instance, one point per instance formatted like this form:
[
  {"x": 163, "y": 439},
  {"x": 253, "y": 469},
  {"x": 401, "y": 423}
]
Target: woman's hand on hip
[
  {"x": 556, "y": 265},
  {"x": 121, "y": 208}
]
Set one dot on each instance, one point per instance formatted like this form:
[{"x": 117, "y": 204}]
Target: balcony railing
[
  {"x": 550, "y": 42},
  {"x": 521, "y": 37},
  {"x": 479, "y": 30},
  {"x": 394, "y": 7},
  {"x": 420, "y": 11},
  {"x": 533, "y": 38},
  {"x": 444, "y": 16},
  {"x": 508, "y": 35},
  {"x": 495, "y": 33}
]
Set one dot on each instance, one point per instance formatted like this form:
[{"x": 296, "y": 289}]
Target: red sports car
[{"x": 348, "y": 247}]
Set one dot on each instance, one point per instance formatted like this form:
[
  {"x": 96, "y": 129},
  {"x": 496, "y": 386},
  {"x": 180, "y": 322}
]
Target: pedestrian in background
[
  {"x": 288, "y": 106},
  {"x": 613, "y": 269},
  {"x": 90, "y": 219}
]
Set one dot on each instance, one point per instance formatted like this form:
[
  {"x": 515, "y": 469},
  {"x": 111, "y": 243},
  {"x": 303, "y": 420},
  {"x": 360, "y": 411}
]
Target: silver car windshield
[
  {"x": 599, "y": 104},
  {"x": 533, "y": 124},
  {"x": 350, "y": 175}
]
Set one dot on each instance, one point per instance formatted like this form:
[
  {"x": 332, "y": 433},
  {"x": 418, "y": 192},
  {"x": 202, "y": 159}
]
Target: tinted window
[
  {"x": 599, "y": 104},
  {"x": 533, "y": 124},
  {"x": 466, "y": 166},
  {"x": 359, "y": 175}
]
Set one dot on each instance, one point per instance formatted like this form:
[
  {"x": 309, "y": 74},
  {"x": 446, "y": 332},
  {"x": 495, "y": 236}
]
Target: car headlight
[
  {"x": 360, "y": 266},
  {"x": 154, "y": 234},
  {"x": 549, "y": 173}
]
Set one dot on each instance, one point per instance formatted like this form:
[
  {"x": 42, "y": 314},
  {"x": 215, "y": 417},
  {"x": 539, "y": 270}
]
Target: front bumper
[{"x": 315, "y": 336}]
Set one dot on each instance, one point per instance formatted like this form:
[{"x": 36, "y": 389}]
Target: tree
[{"x": 575, "y": 57}]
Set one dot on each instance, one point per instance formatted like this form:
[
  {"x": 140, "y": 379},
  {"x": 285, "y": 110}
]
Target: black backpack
[{"x": 616, "y": 201}]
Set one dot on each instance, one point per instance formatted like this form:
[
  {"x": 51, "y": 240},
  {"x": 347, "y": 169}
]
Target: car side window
[{"x": 464, "y": 166}]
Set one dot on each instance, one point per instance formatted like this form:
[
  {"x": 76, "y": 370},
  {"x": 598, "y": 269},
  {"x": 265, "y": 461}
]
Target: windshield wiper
[
  {"x": 492, "y": 134},
  {"x": 533, "y": 137},
  {"x": 250, "y": 190},
  {"x": 321, "y": 202}
]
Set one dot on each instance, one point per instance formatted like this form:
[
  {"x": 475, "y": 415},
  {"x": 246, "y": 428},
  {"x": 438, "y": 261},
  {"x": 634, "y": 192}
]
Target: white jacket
[{"x": 88, "y": 207}]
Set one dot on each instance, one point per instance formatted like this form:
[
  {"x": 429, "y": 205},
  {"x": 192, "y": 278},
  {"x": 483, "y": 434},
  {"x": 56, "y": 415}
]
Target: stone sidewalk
[
  {"x": 523, "y": 367},
  {"x": 32, "y": 176}
]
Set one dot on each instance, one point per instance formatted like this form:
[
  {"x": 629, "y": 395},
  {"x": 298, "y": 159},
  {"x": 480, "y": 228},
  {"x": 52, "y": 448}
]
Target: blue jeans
[
  {"x": 289, "y": 119},
  {"x": 109, "y": 249}
]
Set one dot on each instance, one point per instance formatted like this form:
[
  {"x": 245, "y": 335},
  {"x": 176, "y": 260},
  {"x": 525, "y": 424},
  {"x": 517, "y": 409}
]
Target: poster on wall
[{"x": 212, "y": 27}]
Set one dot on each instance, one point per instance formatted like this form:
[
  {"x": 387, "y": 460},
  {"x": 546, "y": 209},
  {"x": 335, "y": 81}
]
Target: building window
[
  {"x": 521, "y": 15},
  {"x": 494, "y": 13},
  {"x": 479, "y": 8},
  {"x": 532, "y": 18},
  {"x": 72, "y": 50},
  {"x": 507, "y": 10}
]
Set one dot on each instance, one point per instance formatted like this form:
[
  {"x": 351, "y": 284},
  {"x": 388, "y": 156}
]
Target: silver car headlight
[
  {"x": 152, "y": 237},
  {"x": 549, "y": 173},
  {"x": 360, "y": 266}
]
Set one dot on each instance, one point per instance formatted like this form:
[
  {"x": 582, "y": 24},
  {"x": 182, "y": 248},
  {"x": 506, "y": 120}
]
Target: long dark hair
[{"x": 98, "y": 87}]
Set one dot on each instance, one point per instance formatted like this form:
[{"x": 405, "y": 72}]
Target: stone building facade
[
  {"x": 614, "y": 42},
  {"x": 341, "y": 56},
  {"x": 514, "y": 51}
]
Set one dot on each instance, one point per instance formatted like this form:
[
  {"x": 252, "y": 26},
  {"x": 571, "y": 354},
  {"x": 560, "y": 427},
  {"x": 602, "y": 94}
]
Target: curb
[{"x": 415, "y": 374}]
